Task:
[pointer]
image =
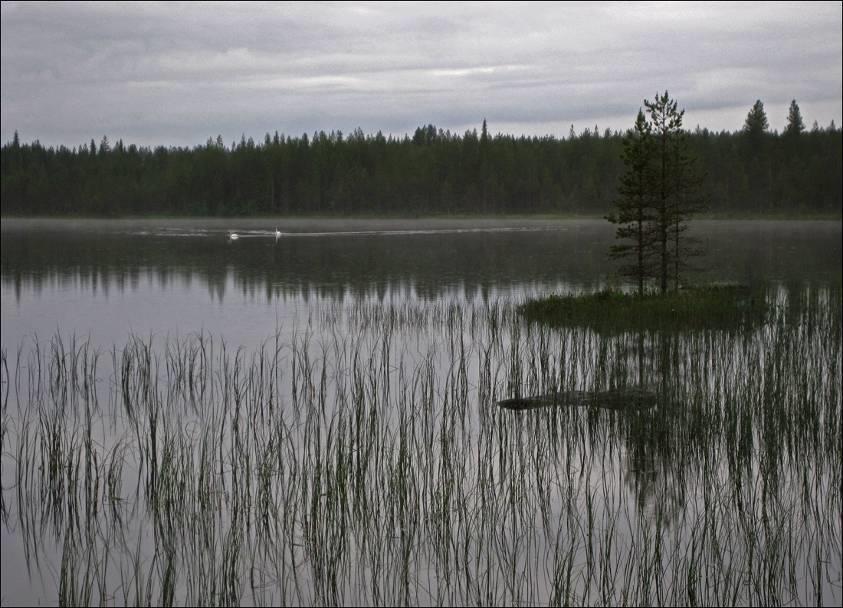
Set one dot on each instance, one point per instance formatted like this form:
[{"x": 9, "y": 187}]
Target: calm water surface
[
  {"x": 108, "y": 279},
  {"x": 361, "y": 458}
]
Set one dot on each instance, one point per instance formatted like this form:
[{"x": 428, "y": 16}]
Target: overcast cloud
[{"x": 167, "y": 73}]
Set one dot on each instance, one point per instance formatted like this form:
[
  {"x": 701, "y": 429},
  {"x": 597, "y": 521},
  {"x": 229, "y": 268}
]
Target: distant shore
[{"x": 784, "y": 216}]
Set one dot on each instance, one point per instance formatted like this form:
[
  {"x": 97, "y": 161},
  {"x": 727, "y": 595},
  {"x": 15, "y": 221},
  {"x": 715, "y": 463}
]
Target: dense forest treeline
[{"x": 432, "y": 172}]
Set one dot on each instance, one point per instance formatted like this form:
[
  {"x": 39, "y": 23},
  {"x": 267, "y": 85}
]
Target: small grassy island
[
  {"x": 659, "y": 192},
  {"x": 705, "y": 307}
]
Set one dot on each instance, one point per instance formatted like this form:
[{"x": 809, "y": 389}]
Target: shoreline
[{"x": 427, "y": 217}]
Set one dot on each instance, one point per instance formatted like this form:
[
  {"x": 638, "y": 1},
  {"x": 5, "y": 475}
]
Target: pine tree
[
  {"x": 484, "y": 165},
  {"x": 658, "y": 194},
  {"x": 795, "y": 125},
  {"x": 634, "y": 207},
  {"x": 684, "y": 202},
  {"x": 756, "y": 120},
  {"x": 666, "y": 122}
]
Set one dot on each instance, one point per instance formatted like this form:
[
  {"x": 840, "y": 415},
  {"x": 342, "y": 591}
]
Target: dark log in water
[{"x": 617, "y": 399}]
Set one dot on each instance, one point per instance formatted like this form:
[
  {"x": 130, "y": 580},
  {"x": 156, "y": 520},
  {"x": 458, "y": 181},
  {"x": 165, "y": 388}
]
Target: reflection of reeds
[{"x": 366, "y": 461}]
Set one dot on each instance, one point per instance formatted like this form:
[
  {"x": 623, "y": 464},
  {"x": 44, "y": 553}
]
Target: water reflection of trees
[
  {"x": 649, "y": 436},
  {"x": 302, "y": 267},
  {"x": 430, "y": 264},
  {"x": 735, "y": 410},
  {"x": 666, "y": 447},
  {"x": 727, "y": 402}
]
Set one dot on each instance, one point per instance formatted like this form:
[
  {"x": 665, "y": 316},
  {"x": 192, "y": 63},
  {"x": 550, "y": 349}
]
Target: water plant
[{"x": 366, "y": 461}]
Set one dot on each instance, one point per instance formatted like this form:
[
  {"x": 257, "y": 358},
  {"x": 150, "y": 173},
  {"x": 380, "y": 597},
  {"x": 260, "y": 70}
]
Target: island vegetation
[
  {"x": 728, "y": 307},
  {"x": 660, "y": 190}
]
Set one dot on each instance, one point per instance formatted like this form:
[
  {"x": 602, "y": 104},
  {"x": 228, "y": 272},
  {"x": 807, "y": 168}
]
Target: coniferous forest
[{"x": 752, "y": 171}]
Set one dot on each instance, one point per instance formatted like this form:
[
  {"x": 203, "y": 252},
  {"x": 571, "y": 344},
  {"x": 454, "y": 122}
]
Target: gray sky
[{"x": 168, "y": 73}]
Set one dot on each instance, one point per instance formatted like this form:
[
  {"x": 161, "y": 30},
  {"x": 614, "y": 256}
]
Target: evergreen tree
[
  {"x": 669, "y": 146},
  {"x": 795, "y": 125},
  {"x": 634, "y": 207},
  {"x": 484, "y": 166},
  {"x": 445, "y": 173},
  {"x": 756, "y": 120},
  {"x": 684, "y": 202}
]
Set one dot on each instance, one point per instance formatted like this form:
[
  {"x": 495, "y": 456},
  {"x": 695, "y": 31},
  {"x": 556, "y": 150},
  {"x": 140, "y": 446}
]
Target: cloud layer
[{"x": 178, "y": 73}]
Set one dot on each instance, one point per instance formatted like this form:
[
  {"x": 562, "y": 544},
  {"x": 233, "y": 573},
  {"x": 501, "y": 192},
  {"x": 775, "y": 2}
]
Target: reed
[{"x": 366, "y": 461}]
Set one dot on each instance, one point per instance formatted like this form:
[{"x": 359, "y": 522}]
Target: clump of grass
[{"x": 710, "y": 307}]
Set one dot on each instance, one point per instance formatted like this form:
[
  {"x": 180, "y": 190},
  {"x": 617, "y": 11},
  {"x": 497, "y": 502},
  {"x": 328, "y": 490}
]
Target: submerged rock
[{"x": 617, "y": 399}]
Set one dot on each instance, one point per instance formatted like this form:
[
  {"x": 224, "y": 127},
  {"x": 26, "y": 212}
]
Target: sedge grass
[{"x": 365, "y": 461}]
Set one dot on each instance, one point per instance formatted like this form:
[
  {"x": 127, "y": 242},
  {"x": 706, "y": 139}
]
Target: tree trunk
[{"x": 663, "y": 214}]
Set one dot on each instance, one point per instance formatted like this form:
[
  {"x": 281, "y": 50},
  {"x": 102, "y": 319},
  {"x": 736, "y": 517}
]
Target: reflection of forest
[
  {"x": 377, "y": 266},
  {"x": 302, "y": 267}
]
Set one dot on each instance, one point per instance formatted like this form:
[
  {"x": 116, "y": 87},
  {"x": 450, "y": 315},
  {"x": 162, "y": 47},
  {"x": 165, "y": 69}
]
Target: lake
[
  {"x": 312, "y": 419},
  {"x": 108, "y": 279}
]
